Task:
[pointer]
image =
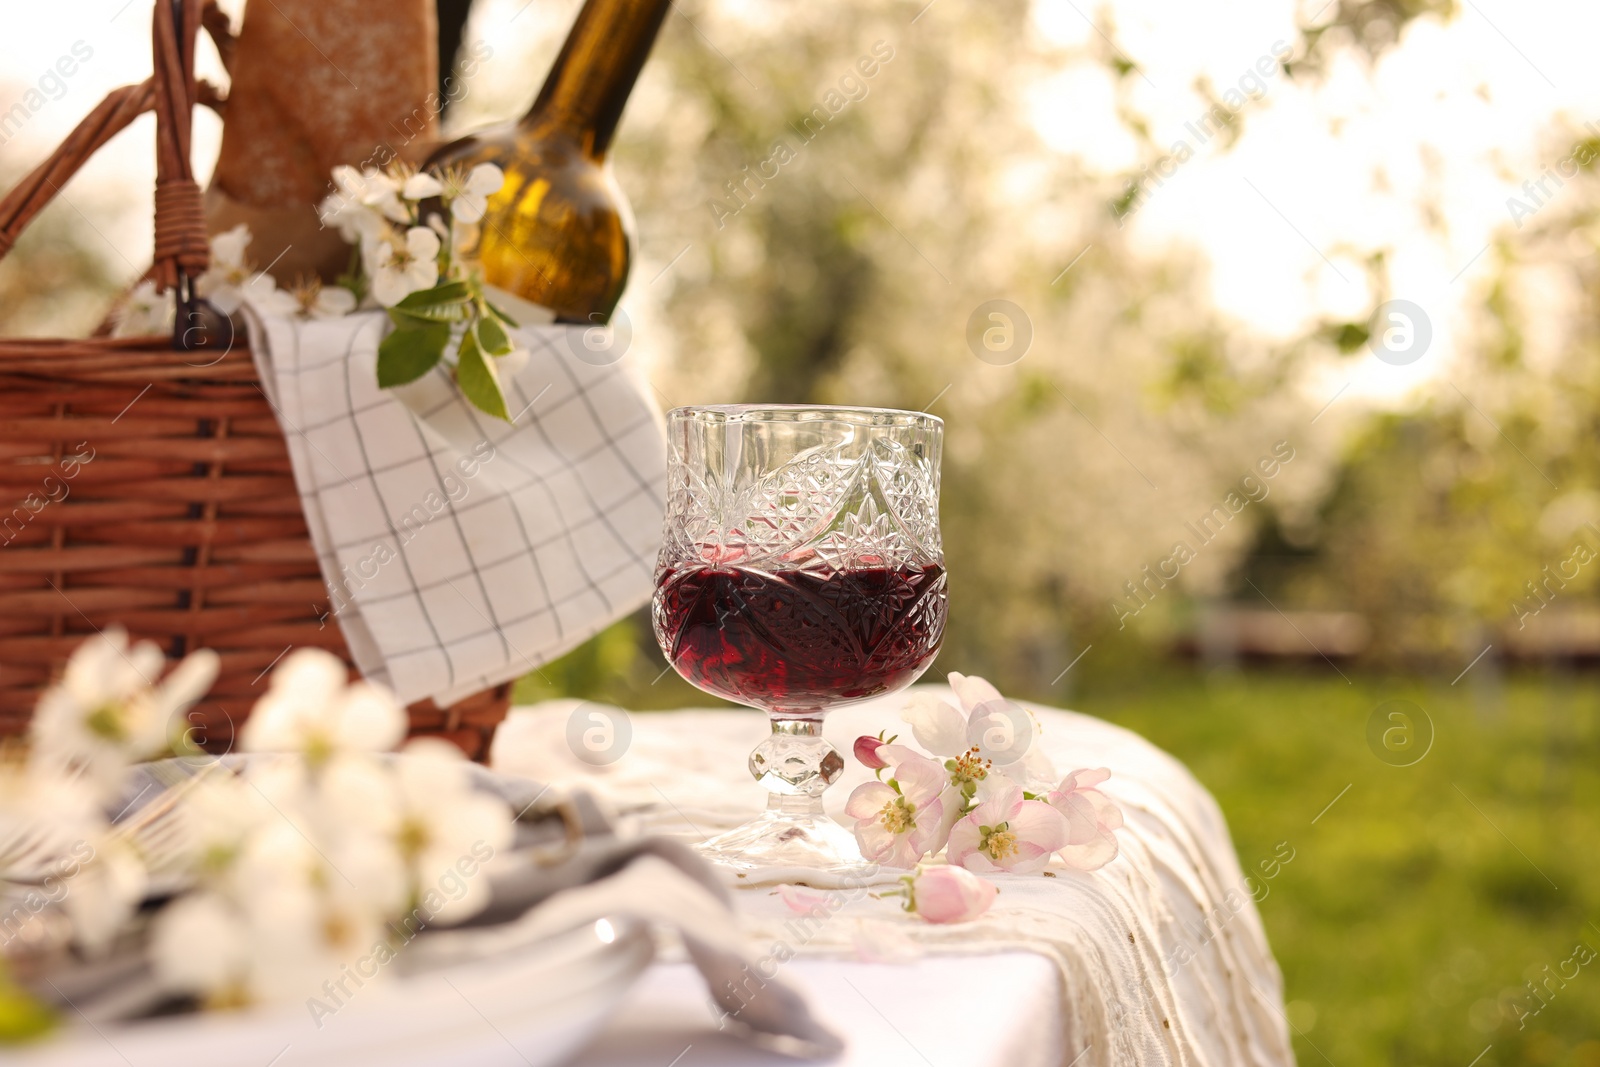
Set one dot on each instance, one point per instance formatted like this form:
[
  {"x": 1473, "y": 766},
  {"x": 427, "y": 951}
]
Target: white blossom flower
[
  {"x": 1010, "y": 735},
  {"x": 108, "y": 711},
  {"x": 143, "y": 312},
  {"x": 199, "y": 944},
  {"x": 468, "y": 195},
  {"x": 218, "y": 813},
  {"x": 399, "y": 270},
  {"x": 303, "y": 937},
  {"x": 1008, "y": 833},
  {"x": 309, "y": 298},
  {"x": 900, "y": 820},
  {"x": 326, "y": 301},
  {"x": 46, "y": 817},
  {"x": 346, "y": 209},
  {"x": 420, "y": 186},
  {"x": 226, "y": 281},
  {"x": 297, "y": 898},
  {"x": 309, "y": 709},
  {"x": 104, "y": 893},
  {"x": 382, "y": 193},
  {"x": 54, "y": 833},
  {"x": 433, "y": 818},
  {"x": 1092, "y": 819},
  {"x": 261, "y": 292},
  {"x": 273, "y": 938}
]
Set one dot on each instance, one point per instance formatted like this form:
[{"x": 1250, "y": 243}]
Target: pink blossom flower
[
  {"x": 1091, "y": 817},
  {"x": 1008, "y": 833},
  {"x": 946, "y": 894},
  {"x": 866, "y": 750},
  {"x": 901, "y": 820}
]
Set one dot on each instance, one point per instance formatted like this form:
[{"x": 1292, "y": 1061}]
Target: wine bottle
[{"x": 558, "y": 234}]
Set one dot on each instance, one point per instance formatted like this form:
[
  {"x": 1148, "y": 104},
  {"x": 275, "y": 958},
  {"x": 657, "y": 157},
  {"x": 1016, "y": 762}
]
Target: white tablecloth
[
  {"x": 1158, "y": 958},
  {"x": 930, "y": 1012}
]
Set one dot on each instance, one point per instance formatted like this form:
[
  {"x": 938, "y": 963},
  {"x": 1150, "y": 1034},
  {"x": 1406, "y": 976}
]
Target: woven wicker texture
[{"x": 151, "y": 487}]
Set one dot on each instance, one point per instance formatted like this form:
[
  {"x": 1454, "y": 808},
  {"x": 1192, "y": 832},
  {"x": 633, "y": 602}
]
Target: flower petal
[
  {"x": 930, "y": 834},
  {"x": 1084, "y": 778},
  {"x": 937, "y": 726},
  {"x": 972, "y": 690},
  {"x": 227, "y": 247},
  {"x": 1092, "y": 855},
  {"x": 1037, "y": 823},
  {"x": 334, "y": 301},
  {"x": 422, "y": 243},
  {"x": 1027, "y": 859},
  {"x": 867, "y": 799},
  {"x": 921, "y": 780},
  {"x": 866, "y": 752},
  {"x": 963, "y": 841},
  {"x": 420, "y": 186},
  {"x": 803, "y": 901},
  {"x": 978, "y": 863},
  {"x": 999, "y": 807},
  {"x": 485, "y": 179}
]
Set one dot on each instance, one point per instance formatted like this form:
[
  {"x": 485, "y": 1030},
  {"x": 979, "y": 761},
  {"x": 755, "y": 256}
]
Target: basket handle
[{"x": 181, "y": 249}]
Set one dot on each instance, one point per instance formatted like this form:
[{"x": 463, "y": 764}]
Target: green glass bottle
[{"x": 559, "y": 232}]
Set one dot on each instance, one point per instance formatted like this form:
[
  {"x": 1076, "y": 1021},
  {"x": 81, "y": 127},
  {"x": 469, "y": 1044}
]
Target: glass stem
[
  {"x": 794, "y": 805},
  {"x": 796, "y": 765}
]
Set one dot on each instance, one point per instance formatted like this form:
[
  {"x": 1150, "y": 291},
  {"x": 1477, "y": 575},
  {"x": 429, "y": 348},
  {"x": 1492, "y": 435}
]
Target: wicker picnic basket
[{"x": 146, "y": 482}]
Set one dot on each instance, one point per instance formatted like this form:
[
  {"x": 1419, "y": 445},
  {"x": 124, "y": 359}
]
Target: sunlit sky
[{"x": 1415, "y": 154}]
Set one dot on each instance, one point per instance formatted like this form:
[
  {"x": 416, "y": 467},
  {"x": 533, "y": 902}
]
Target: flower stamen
[
  {"x": 898, "y": 816},
  {"x": 998, "y": 842}
]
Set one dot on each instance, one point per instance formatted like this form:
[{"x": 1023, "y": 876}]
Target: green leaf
[
  {"x": 501, "y": 315},
  {"x": 477, "y": 378},
  {"x": 450, "y": 302},
  {"x": 443, "y": 293},
  {"x": 411, "y": 350},
  {"x": 493, "y": 337}
]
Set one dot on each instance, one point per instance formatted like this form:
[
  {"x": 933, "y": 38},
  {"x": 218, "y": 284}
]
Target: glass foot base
[{"x": 806, "y": 848}]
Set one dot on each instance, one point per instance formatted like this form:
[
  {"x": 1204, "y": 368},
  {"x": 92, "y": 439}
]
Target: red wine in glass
[
  {"x": 792, "y": 641},
  {"x": 800, "y": 570}
]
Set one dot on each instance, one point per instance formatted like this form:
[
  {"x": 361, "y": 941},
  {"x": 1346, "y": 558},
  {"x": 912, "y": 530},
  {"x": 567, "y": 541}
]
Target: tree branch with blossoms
[
  {"x": 410, "y": 231},
  {"x": 249, "y": 881},
  {"x": 981, "y": 793}
]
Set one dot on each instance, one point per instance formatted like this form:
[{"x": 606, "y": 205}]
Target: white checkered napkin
[{"x": 462, "y": 551}]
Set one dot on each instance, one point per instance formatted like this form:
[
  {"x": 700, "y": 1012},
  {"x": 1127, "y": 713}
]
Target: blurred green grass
[{"x": 1419, "y": 903}]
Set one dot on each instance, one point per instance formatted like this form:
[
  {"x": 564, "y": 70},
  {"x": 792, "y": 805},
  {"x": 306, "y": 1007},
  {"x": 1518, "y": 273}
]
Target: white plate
[{"x": 538, "y": 1004}]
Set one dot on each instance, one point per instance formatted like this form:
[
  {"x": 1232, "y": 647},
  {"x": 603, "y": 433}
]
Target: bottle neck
[{"x": 592, "y": 77}]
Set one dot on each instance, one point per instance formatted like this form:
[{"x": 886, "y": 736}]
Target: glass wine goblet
[{"x": 800, "y": 569}]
